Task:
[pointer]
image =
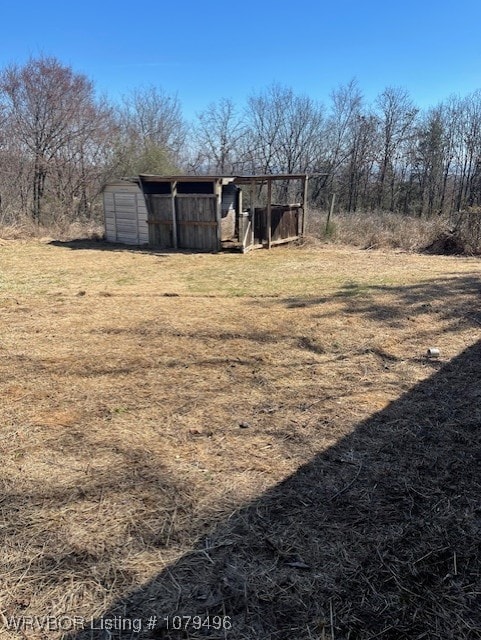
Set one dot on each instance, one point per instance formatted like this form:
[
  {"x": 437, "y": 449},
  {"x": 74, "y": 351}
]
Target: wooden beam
[
  {"x": 175, "y": 241},
  {"x": 198, "y": 196},
  {"x": 270, "y": 176},
  {"x": 186, "y": 223},
  {"x": 137, "y": 230},
  {"x": 253, "y": 246},
  {"x": 269, "y": 214},
  {"x": 239, "y": 211},
  {"x": 304, "y": 206},
  {"x": 218, "y": 212},
  {"x": 253, "y": 209},
  {"x": 284, "y": 240}
]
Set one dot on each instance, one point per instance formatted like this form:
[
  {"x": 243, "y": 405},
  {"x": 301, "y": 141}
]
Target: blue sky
[{"x": 206, "y": 50}]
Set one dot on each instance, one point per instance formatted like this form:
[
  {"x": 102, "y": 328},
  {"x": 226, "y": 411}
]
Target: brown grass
[
  {"x": 153, "y": 406},
  {"x": 379, "y": 230}
]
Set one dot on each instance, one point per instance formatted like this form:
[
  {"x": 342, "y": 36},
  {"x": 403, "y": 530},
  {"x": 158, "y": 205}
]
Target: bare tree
[
  {"x": 81, "y": 167},
  {"x": 468, "y": 151},
  {"x": 152, "y": 132},
  {"x": 219, "y": 134},
  {"x": 283, "y": 130},
  {"x": 345, "y": 111},
  {"x": 49, "y": 108},
  {"x": 431, "y": 160},
  {"x": 396, "y": 113},
  {"x": 357, "y": 175}
]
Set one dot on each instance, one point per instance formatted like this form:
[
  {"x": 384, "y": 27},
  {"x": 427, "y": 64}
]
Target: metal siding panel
[
  {"x": 121, "y": 195},
  {"x": 122, "y": 222},
  {"x": 126, "y": 238},
  {"x": 124, "y": 207},
  {"x": 124, "y": 202},
  {"x": 121, "y": 187},
  {"x": 126, "y": 223},
  {"x": 126, "y": 217},
  {"x": 141, "y": 204},
  {"x": 125, "y": 229},
  {"x": 109, "y": 217},
  {"x": 120, "y": 213}
]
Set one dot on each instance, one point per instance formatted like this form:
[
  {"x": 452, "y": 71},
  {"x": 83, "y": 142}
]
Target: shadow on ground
[
  {"x": 102, "y": 245},
  {"x": 377, "y": 537},
  {"x": 453, "y": 298}
]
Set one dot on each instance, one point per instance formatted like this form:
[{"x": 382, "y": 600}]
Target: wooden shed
[{"x": 203, "y": 213}]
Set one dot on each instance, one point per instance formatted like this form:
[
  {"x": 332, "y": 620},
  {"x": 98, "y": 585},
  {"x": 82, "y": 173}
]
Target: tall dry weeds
[
  {"x": 25, "y": 228},
  {"x": 378, "y": 230}
]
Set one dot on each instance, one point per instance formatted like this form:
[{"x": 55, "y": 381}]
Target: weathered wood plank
[
  {"x": 284, "y": 240},
  {"x": 197, "y": 196},
  {"x": 123, "y": 213},
  {"x": 302, "y": 230},
  {"x": 175, "y": 233},
  {"x": 218, "y": 214},
  {"x": 196, "y": 220},
  {"x": 269, "y": 213}
]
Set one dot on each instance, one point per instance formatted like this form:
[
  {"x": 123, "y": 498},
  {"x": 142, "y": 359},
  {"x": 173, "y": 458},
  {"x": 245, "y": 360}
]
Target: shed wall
[
  {"x": 194, "y": 215},
  {"x": 125, "y": 214}
]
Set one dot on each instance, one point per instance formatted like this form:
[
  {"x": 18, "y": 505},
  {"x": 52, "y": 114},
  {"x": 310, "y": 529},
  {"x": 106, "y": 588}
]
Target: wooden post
[
  {"x": 304, "y": 206},
  {"x": 218, "y": 211},
  {"x": 239, "y": 211},
  {"x": 331, "y": 211},
  {"x": 269, "y": 213},
  {"x": 175, "y": 241},
  {"x": 253, "y": 210},
  {"x": 137, "y": 231}
]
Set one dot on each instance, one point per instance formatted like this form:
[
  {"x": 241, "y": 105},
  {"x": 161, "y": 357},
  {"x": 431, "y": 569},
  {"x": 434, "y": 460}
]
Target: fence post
[{"x": 331, "y": 211}]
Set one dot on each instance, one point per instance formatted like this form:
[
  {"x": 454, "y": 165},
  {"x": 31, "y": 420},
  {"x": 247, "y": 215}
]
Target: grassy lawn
[{"x": 151, "y": 402}]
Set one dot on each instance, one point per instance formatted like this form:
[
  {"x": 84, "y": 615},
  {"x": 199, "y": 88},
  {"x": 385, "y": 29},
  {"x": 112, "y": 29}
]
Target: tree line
[{"x": 60, "y": 142}]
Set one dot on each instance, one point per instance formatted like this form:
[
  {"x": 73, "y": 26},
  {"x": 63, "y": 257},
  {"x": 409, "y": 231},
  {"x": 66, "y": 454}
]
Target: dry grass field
[{"x": 258, "y": 440}]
